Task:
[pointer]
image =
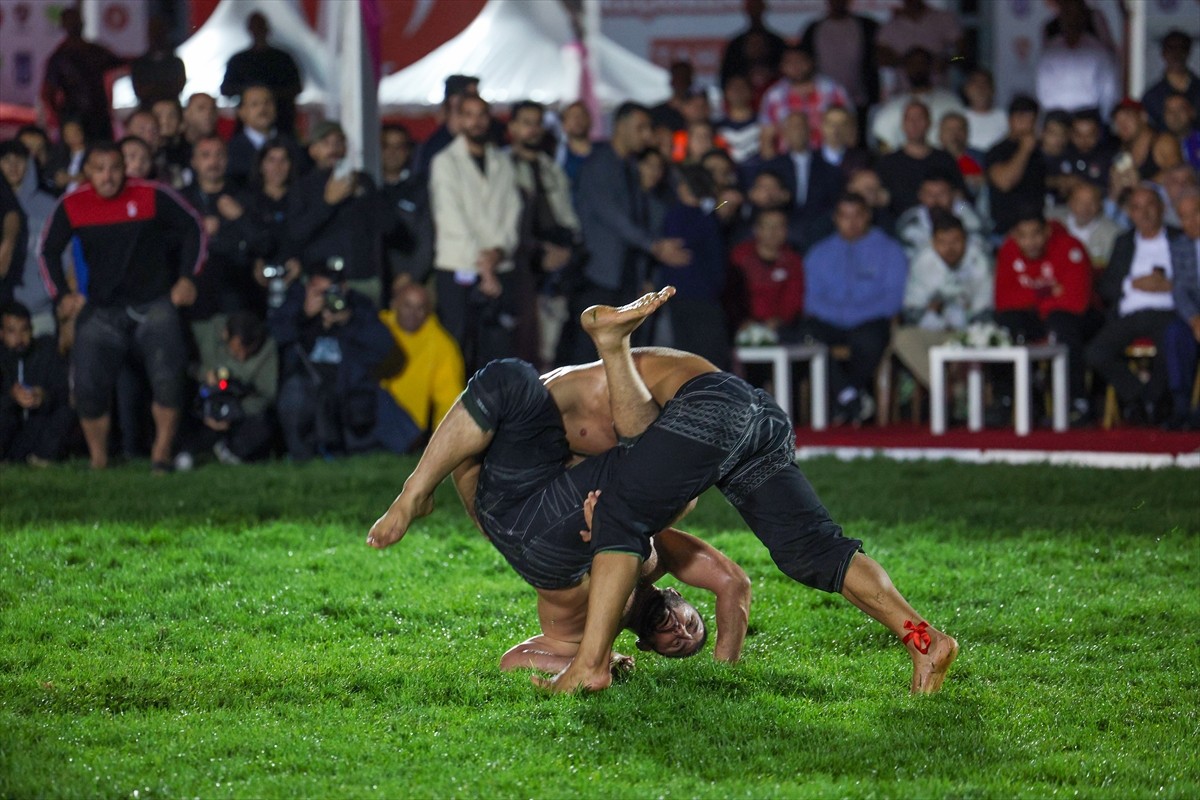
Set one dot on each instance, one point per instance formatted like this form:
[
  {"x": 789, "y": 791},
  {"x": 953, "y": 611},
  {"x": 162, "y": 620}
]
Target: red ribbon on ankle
[{"x": 918, "y": 635}]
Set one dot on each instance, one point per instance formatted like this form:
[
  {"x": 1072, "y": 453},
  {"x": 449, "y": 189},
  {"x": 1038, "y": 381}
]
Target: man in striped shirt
[{"x": 801, "y": 89}]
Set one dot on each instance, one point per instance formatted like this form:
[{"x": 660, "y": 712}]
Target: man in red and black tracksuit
[
  {"x": 1043, "y": 289},
  {"x": 128, "y": 292}
]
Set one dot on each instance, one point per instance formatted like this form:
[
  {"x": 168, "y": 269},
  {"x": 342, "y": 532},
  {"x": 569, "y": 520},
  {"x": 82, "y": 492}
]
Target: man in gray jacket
[{"x": 613, "y": 213}]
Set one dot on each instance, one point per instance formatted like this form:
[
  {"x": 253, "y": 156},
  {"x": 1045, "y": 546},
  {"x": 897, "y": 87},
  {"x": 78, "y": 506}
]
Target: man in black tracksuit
[{"x": 127, "y": 292}]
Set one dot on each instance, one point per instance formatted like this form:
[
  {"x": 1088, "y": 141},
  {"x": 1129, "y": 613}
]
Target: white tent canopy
[
  {"x": 206, "y": 52},
  {"x": 524, "y": 50}
]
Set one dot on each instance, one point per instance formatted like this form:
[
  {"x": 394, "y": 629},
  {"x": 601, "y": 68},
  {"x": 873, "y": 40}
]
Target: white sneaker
[
  {"x": 184, "y": 462},
  {"x": 225, "y": 455}
]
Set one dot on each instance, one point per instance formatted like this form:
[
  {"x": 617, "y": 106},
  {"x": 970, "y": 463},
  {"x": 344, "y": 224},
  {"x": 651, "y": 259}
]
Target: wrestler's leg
[
  {"x": 457, "y": 438},
  {"x": 868, "y": 586},
  {"x": 808, "y": 546},
  {"x": 633, "y": 407}
]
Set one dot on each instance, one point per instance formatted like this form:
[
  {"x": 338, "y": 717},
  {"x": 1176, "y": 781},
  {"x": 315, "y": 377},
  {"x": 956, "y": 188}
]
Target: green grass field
[{"x": 228, "y": 634}]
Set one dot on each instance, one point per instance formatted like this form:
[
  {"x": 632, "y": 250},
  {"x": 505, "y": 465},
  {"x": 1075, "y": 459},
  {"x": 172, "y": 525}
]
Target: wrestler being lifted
[
  {"x": 504, "y": 442},
  {"x": 686, "y": 426}
]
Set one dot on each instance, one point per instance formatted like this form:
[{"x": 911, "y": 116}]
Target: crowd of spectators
[{"x": 253, "y": 295}]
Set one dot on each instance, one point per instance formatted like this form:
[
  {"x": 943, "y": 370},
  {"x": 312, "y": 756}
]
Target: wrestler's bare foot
[
  {"x": 575, "y": 679},
  {"x": 929, "y": 668},
  {"x": 392, "y": 526},
  {"x": 609, "y": 327}
]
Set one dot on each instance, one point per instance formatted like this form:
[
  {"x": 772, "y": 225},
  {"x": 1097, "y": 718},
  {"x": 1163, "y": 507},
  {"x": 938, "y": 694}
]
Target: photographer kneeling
[
  {"x": 239, "y": 382},
  {"x": 331, "y": 343}
]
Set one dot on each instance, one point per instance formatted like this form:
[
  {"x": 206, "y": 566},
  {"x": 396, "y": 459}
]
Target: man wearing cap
[{"x": 337, "y": 215}]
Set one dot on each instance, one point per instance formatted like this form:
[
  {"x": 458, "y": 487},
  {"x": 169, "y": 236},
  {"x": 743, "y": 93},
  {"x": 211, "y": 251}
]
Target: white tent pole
[
  {"x": 354, "y": 102},
  {"x": 89, "y": 10},
  {"x": 591, "y": 37},
  {"x": 1137, "y": 48}
]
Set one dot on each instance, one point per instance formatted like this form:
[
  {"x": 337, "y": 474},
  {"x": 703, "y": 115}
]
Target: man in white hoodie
[{"x": 476, "y": 206}]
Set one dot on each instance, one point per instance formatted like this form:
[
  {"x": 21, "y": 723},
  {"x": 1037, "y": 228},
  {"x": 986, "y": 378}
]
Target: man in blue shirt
[{"x": 854, "y": 286}]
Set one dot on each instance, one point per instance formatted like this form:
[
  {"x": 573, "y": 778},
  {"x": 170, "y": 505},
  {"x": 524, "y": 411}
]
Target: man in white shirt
[
  {"x": 476, "y": 205},
  {"x": 1076, "y": 71},
  {"x": 949, "y": 287},
  {"x": 1136, "y": 286},
  {"x": 888, "y": 126}
]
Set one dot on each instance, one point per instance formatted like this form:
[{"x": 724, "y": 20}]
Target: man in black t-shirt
[
  {"x": 903, "y": 170},
  {"x": 1016, "y": 171}
]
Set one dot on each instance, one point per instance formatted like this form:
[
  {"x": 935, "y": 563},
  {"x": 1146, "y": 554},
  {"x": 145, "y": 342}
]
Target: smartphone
[
  {"x": 1123, "y": 162},
  {"x": 343, "y": 169}
]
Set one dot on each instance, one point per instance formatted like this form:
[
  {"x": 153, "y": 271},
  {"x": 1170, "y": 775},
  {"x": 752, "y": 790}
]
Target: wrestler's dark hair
[{"x": 652, "y": 609}]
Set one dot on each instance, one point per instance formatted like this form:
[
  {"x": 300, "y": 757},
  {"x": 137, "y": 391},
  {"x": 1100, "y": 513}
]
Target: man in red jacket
[
  {"x": 127, "y": 291},
  {"x": 1043, "y": 288},
  {"x": 773, "y": 275}
]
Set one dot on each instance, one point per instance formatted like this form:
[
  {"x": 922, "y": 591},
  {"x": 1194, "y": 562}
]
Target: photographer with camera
[
  {"x": 235, "y": 404},
  {"x": 331, "y": 342},
  {"x": 338, "y": 212}
]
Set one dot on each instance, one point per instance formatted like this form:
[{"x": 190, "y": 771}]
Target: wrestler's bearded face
[{"x": 673, "y": 628}]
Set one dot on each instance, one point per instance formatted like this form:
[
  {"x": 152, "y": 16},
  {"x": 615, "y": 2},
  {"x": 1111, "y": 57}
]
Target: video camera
[{"x": 222, "y": 402}]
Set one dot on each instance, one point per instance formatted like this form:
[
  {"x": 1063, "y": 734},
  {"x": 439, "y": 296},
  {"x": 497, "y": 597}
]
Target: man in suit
[
  {"x": 1136, "y": 286},
  {"x": 813, "y": 182},
  {"x": 614, "y": 217},
  {"x": 256, "y": 111}
]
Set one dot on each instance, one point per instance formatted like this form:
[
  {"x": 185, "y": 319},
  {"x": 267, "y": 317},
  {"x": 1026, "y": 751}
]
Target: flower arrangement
[
  {"x": 983, "y": 334},
  {"x": 756, "y": 334}
]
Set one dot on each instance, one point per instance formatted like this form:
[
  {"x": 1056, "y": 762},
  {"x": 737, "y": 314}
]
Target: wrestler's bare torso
[{"x": 581, "y": 393}]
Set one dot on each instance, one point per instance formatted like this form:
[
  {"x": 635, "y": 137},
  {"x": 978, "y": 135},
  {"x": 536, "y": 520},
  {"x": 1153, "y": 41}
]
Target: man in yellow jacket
[{"x": 426, "y": 375}]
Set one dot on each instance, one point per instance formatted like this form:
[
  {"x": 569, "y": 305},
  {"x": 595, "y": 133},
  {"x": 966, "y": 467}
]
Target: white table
[
  {"x": 1022, "y": 357},
  {"x": 780, "y": 357}
]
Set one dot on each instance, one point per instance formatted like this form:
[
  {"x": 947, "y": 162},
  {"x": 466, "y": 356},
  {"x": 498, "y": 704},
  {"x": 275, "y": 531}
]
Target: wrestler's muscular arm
[{"x": 699, "y": 564}]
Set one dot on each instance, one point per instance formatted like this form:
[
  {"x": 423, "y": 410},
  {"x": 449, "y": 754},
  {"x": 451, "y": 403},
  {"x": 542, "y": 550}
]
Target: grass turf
[{"x": 227, "y": 634}]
